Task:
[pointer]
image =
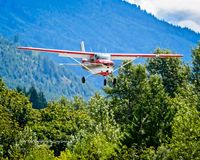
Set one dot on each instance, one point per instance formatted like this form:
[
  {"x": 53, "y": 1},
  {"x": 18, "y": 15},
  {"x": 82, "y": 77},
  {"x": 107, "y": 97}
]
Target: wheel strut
[
  {"x": 114, "y": 81},
  {"x": 105, "y": 82}
]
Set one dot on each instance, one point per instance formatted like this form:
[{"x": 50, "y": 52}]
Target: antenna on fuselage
[{"x": 82, "y": 46}]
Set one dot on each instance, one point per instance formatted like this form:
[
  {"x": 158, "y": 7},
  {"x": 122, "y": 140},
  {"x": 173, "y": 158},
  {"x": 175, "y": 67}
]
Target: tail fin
[{"x": 82, "y": 46}]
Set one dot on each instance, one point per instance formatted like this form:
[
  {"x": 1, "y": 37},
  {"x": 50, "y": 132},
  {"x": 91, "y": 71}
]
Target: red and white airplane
[{"x": 99, "y": 63}]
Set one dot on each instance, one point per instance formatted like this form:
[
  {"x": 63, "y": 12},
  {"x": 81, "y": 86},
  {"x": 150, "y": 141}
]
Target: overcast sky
[{"x": 185, "y": 13}]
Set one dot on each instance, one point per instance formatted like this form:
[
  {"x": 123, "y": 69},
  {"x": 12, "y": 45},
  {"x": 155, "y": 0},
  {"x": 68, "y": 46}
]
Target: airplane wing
[
  {"x": 120, "y": 56},
  {"x": 62, "y": 53}
]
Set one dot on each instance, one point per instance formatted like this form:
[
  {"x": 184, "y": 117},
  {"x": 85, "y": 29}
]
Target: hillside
[
  {"x": 113, "y": 26},
  {"x": 25, "y": 70}
]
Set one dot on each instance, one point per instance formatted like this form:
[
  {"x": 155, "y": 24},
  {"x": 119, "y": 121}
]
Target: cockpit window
[{"x": 102, "y": 56}]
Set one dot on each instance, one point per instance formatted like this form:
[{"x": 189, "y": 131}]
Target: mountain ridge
[{"x": 103, "y": 25}]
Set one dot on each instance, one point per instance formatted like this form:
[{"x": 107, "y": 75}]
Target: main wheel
[
  {"x": 105, "y": 82},
  {"x": 114, "y": 81},
  {"x": 83, "y": 79}
]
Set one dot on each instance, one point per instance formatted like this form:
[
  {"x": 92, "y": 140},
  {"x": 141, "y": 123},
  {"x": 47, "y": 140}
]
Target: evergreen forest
[{"x": 26, "y": 69}]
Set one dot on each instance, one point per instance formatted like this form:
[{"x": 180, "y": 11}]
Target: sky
[{"x": 185, "y": 13}]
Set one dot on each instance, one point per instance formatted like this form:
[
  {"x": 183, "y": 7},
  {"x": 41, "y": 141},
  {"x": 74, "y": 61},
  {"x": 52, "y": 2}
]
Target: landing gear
[
  {"x": 105, "y": 82},
  {"x": 114, "y": 81},
  {"x": 83, "y": 79}
]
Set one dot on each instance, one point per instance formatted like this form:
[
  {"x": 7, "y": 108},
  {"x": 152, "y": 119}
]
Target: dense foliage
[
  {"x": 151, "y": 113},
  {"x": 26, "y": 70}
]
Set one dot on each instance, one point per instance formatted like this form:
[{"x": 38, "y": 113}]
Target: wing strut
[
  {"x": 86, "y": 68},
  {"x": 82, "y": 65},
  {"x": 130, "y": 61}
]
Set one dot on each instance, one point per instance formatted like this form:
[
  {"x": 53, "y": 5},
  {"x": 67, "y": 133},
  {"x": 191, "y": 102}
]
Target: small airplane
[{"x": 98, "y": 63}]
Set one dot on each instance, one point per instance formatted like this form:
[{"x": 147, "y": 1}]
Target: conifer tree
[
  {"x": 38, "y": 99},
  {"x": 42, "y": 102},
  {"x": 33, "y": 97}
]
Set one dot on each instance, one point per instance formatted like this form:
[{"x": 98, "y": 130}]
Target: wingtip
[
  {"x": 179, "y": 55},
  {"x": 20, "y": 47}
]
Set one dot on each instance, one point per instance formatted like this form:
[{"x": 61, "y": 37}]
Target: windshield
[{"x": 102, "y": 56}]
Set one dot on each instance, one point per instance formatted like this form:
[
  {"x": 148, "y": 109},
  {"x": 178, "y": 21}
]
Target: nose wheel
[
  {"x": 114, "y": 81},
  {"x": 104, "y": 82}
]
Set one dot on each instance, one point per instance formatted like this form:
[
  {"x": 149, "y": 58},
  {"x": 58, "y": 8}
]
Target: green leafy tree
[
  {"x": 40, "y": 152},
  {"x": 196, "y": 66},
  {"x": 67, "y": 155},
  {"x": 172, "y": 70},
  {"x": 151, "y": 121},
  {"x": 129, "y": 93},
  {"x": 196, "y": 71},
  {"x": 103, "y": 118},
  {"x": 159, "y": 113},
  {"x": 16, "y": 104},
  {"x": 61, "y": 125},
  {"x": 94, "y": 146},
  {"x": 141, "y": 107},
  {"x": 8, "y": 130},
  {"x": 24, "y": 141},
  {"x": 188, "y": 95},
  {"x": 15, "y": 110},
  {"x": 185, "y": 142},
  {"x": 148, "y": 114}
]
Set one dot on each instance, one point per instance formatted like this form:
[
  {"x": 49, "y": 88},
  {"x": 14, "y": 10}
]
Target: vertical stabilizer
[{"x": 82, "y": 46}]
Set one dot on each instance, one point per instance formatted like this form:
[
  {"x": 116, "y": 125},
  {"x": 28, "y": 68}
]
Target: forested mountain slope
[
  {"x": 113, "y": 26},
  {"x": 25, "y": 70}
]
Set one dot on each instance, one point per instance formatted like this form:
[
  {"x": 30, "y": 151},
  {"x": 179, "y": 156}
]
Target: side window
[
  {"x": 96, "y": 57},
  {"x": 92, "y": 58}
]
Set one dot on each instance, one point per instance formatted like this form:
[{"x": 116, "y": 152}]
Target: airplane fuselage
[{"x": 99, "y": 65}]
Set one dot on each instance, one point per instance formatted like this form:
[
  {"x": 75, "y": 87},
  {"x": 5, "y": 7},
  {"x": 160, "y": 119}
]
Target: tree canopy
[{"x": 151, "y": 113}]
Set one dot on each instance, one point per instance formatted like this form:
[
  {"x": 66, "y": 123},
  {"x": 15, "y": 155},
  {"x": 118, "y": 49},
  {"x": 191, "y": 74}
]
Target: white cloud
[
  {"x": 185, "y": 13},
  {"x": 190, "y": 24}
]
